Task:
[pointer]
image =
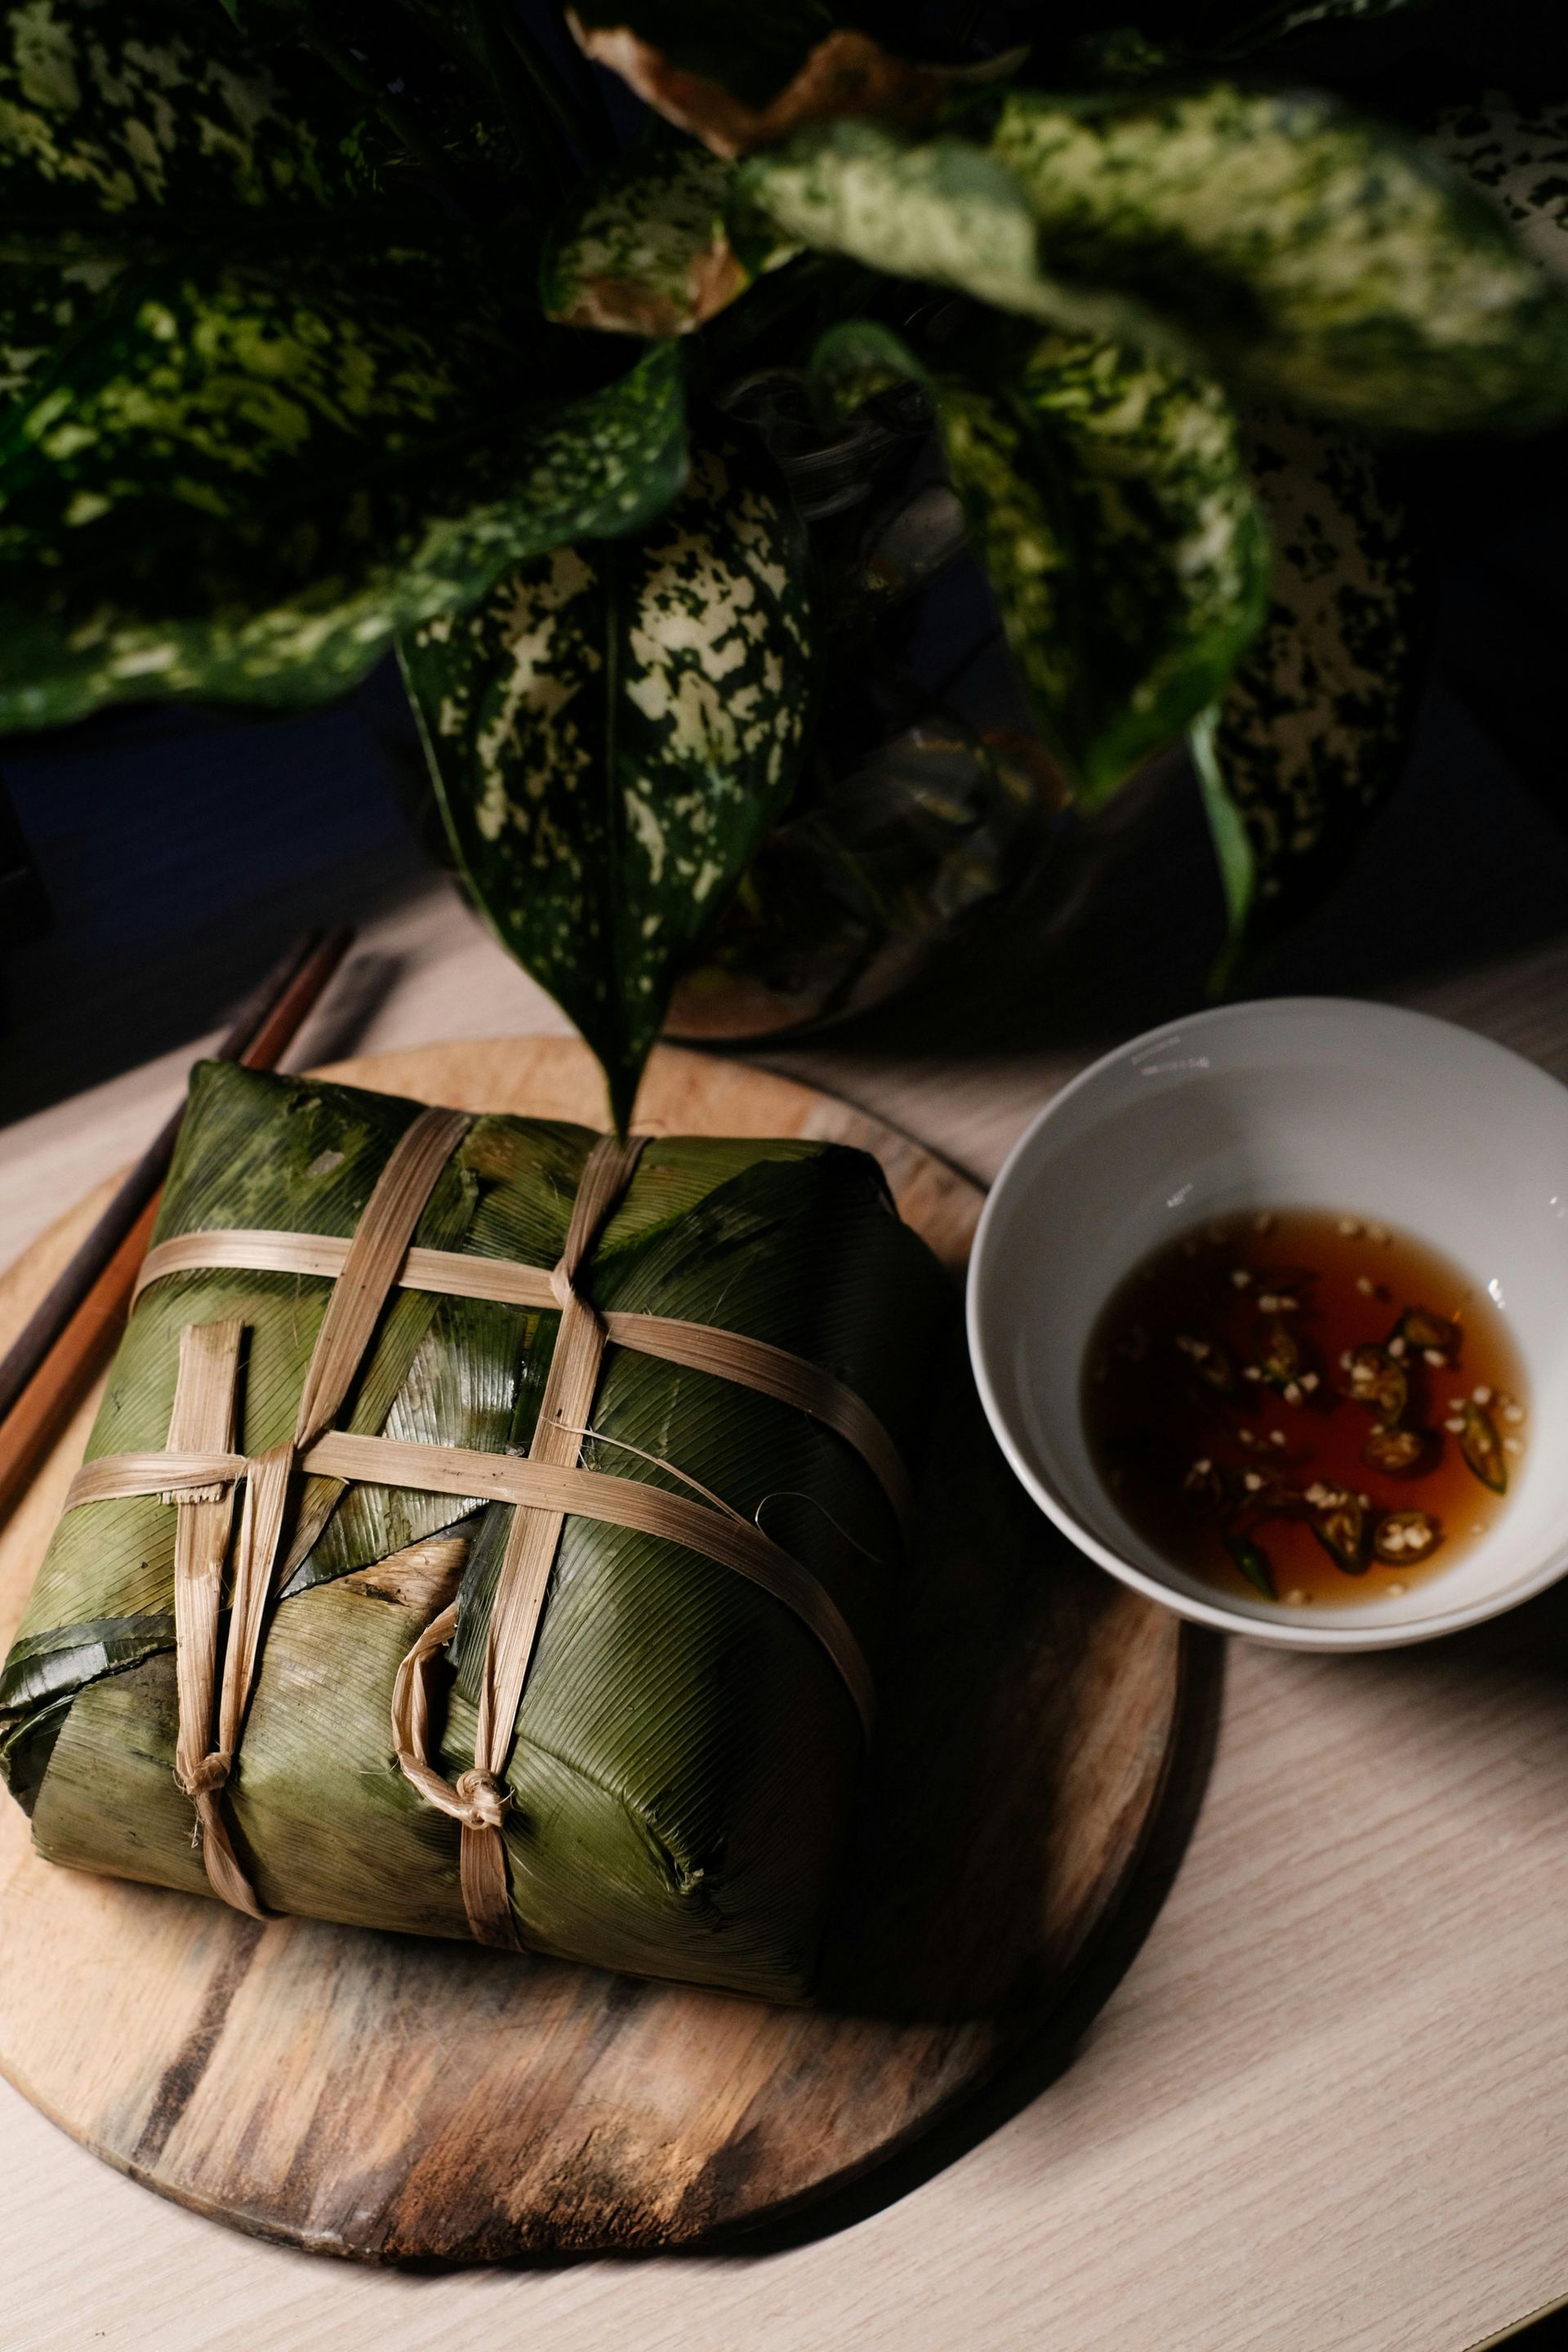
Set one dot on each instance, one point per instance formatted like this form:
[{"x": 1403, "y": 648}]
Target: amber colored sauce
[{"x": 1166, "y": 1391}]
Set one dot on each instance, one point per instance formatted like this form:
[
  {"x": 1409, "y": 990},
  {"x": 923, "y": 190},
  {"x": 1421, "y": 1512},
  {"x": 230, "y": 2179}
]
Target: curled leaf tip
[{"x": 602, "y": 792}]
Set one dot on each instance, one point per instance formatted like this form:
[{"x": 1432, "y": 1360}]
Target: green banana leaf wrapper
[{"x": 685, "y": 1750}]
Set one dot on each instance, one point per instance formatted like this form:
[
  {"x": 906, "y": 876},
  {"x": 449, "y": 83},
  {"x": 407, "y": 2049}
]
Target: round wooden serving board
[{"x": 388, "y": 2098}]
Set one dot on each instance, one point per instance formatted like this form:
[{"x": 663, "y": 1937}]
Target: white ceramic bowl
[{"x": 1310, "y": 1102}]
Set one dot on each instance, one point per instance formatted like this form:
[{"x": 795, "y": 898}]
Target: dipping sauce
[{"x": 1305, "y": 1406}]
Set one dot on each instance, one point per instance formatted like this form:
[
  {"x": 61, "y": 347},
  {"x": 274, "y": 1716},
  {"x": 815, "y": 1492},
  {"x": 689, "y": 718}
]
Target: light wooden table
[{"x": 1328, "y": 2106}]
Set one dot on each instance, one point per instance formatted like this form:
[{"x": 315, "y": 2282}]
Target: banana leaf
[{"x": 685, "y": 1750}]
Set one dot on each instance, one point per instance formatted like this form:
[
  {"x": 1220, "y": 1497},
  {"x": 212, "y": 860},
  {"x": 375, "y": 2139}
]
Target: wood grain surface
[
  {"x": 389, "y": 2097},
  {"x": 1326, "y": 2110}
]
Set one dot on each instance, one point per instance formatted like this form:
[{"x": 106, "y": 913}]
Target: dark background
[{"x": 152, "y": 860}]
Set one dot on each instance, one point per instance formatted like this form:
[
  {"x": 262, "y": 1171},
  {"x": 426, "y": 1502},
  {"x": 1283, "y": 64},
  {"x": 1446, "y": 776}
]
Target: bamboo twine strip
[
  {"x": 178, "y": 1478},
  {"x": 369, "y": 1273},
  {"x": 204, "y": 1416},
  {"x": 411, "y": 1713},
  {"x": 472, "y": 1476},
  {"x": 200, "y": 1471},
  {"x": 206, "y": 1409},
  {"x": 729, "y": 1355},
  {"x": 532, "y": 1543}
]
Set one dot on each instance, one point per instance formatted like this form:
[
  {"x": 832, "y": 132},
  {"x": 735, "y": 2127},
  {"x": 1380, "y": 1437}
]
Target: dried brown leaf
[{"x": 846, "y": 74}]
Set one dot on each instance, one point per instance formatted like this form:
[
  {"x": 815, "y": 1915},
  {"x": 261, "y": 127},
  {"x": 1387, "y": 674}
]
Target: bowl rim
[{"x": 1285, "y": 1633}]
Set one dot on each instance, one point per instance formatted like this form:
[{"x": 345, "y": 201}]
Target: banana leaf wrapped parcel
[{"x": 485, "y": 1533}]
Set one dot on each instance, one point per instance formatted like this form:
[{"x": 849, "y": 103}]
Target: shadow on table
[
  {"x": 1045, "y": 1743},
  {"x": 1028, "y": 2063},
  {"x": 1040, "y": 2058},
  {"x": 1045, "y": 1739},
  {"x": 1025, "y": 1718}
]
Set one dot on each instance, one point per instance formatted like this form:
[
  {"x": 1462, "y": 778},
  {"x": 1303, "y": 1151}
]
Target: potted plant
[{"x": 631, "y": 368}]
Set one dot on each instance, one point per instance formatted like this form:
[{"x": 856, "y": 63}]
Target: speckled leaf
[
  {"x": 852, "y": 362},
  {"x": 1260, "y": 29},
  {"x": 437, "y": 82},
  {"x": 212, "y": 385},
  {"x": 611, "y": 732},
  {"x": 1316, "y": 254},
  {"x": 149, "y": 133},
  {"x": 646, "y": 248},
  {"x": 1517, "y": 157},
  {"x": 741, "y": 78},
  {"x": 1108, "y": 499},
  {"x": 45, "y": 296},
  {"x": 127, "y": 108},
  {"x": 258, "y": 421},
  {"x": 942, "y": 210},
  {"x": 1220, "y": 33},
  {"x": 1314, "y": 731},
  {"x": 235, "y": 489}
]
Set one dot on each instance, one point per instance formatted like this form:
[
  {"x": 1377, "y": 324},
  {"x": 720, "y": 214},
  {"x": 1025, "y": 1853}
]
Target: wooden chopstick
[
  {"x": 65, "y": 1292},
  {"x": 282, "y": 1020},
  {"x": 70, "y": 1331}
]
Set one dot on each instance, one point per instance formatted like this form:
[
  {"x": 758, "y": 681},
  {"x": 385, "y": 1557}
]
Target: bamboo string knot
[
  {"x": 203, "y": 1471},
  {"x": 209, "y": 1671},
  {"x": 485, "y": 1797},
  {"x": 207, "y": 1777}
]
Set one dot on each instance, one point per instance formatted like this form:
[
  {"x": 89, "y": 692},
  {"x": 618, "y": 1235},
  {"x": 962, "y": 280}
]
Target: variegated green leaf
[
  {"x": 131, "y": 108},
  {"x": 45, "y": 297},
  {"x": 1108, "y": 499},
  {"x": 210, "y": 386},
  {"x": 942, "y": 210},
  {"x": 1218, "y": 36},
  {"x": 1518, "y": 157},
  {"x": 611, "y": 733},
  {"x": 645, "y": 248},
  {"x": 1318, "y": 255},
  {"x": 237, "y": 475},
  {"x": 446, "y": 92},
  {"x": 1314, "y": 731},
  {"x": 232, "y": 490},
  {"x": 1252, "y": 29},
  {"x": 148, "y": 133},
  {"x": 741, "y": 77},
  {"x": 1308, "y": 251},
  {"x": 853, "y": 361}
]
